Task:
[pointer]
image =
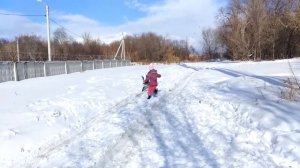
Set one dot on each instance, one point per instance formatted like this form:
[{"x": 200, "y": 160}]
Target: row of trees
[
  {"x": 144, "y": 48},
  {"x": 255, "y": 29},
  {"x": 247, "y": 29}
]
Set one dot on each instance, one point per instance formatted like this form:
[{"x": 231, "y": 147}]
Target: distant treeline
[
  {"x": 146, "y": 47},
  {"x": 255, "y": 29}
]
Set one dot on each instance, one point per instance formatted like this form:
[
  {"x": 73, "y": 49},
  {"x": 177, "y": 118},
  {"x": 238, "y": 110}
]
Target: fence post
[
  {"x": 34, "y": 65},
  {"x": 15, "y": 71},
  {"x": 93, "y": 64},
  {"x": 81, "y": 66},
  {"x": 102, "y": 64},
  {"x": 66, "y": 68},
  {"x": 45, "y": 74},
  {"x": 110, "y": 63}
]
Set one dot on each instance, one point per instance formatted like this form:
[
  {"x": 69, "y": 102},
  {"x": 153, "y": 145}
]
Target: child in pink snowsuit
[{"x": 151, "y": 80}]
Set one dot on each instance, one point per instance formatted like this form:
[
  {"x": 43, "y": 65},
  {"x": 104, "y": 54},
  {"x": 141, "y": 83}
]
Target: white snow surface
[{"x": 216, "y": 114}]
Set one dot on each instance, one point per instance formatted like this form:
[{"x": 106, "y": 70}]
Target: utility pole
[
  {"x": 122, "y": 47},
  {"x": 48, "y": 33}
]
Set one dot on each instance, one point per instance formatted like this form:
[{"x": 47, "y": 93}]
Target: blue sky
[
  {"x": 111, "y": 12},
  {"x": 108, "y": 19}
]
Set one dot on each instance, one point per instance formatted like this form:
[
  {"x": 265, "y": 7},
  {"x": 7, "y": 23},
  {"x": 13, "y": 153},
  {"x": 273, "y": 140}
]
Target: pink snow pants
[{"x": 151, "y": 89}]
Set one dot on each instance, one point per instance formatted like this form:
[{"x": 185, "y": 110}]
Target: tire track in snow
[
  {"x": 124, "y": 146},
  {"x": 132, "y": 143}
]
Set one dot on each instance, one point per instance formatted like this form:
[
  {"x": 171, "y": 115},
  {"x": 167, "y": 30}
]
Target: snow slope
[{"x": 218, "y": 114}]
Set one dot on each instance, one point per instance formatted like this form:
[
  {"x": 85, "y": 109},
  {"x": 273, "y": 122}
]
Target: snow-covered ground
[{"x": 217, "y": 114}]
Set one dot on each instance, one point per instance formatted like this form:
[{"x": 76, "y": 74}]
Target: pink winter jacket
[{"x": 151, "y": 77}]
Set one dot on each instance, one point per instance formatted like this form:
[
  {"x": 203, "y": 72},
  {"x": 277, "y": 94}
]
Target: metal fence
[{"x": 16, "y": 71}]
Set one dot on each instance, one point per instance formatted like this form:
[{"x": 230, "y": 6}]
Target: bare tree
[
  {"x": 256, "y": 15},
  {"x": 209, "y": 43},
  {"x": 264, "y": 29},
  {"x": 32, "y": 48},
  {"x": 61, "y": 46}
]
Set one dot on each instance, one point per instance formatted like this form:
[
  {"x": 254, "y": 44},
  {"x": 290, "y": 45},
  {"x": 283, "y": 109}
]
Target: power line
[
  {"x": 66, "y": 28},
  {"x": 14, "y": 14},
  {"x": 31, "y": 15}
]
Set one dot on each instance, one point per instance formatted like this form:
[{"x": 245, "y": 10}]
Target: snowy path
[{"x": 158, "y": 139}]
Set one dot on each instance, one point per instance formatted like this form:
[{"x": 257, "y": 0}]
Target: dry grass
[{"x": 291, "y": 90}]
